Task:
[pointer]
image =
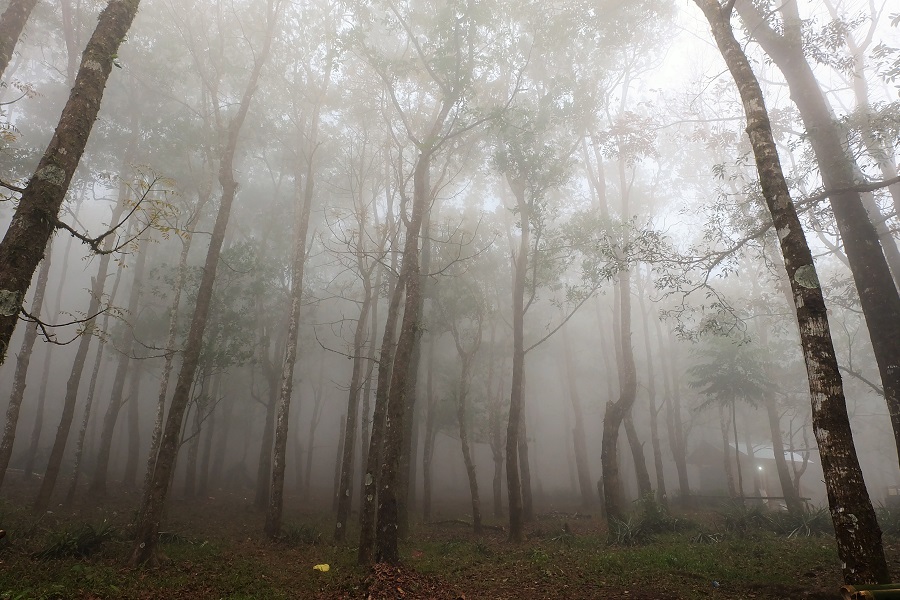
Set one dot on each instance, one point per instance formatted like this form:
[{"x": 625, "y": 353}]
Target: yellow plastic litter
[{"x": 322, "y": 568}]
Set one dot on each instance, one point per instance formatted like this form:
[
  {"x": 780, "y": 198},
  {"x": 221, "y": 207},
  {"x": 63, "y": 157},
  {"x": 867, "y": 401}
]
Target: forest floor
[{"x": 215, "y": 549}]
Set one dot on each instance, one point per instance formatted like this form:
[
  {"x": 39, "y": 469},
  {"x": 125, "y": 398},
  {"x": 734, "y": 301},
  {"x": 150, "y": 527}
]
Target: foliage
[
  {"x": 79, "y": 542},
  {"x": 728, "y": 370},
  {"x": 889, "y": 520},
  {"x": 807, "y": 523},
  {"x": 300, "y": 534},
  {"x": 741, "y": 519}
]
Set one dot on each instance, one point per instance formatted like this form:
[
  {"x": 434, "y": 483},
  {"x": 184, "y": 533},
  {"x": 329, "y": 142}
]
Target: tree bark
[
  {"x": 856, "y": 529},
  {"x": 466, "y": 357},
  {"x": 12, "y": 23},
  {"x": 661, "y": 495},
  {"x": 35, "y": 218},
  {"x": 150, "y": 516}
]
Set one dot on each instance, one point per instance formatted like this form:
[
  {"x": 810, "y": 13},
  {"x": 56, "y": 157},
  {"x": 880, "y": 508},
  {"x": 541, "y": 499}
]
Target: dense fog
[{"x": 590, "y": 245}]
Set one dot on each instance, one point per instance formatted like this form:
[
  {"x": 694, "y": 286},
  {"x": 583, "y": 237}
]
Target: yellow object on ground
[{"x": 322, "y": 568}]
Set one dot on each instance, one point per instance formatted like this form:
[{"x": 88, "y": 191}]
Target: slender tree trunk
[
  {"x": 387, "y": 530},
  {"x": 661, "y": 495},
  {"x": 517, "y": 390},
  {"x": 117, "y": 397},
  {"x": 645, "y": 488},
  {"x": 579, "y": 438},
  {"x": 22, "y": 360},
  {"x": 367, "y": 512},
  {"x": 737, "y": 451},
  {"x": 150, "y": 516},
  {"x": 342, "y": 441},
  {"x": 616, "y": 412},
  {"x": 726, "y": 451},
  {"x": 169, "y": 360},
  {"x": 89, "y": 401},
  {"x": 856, "y": 529},
  {"x": 35, "y": 218},
  {"x": 193, "y": 438},
  {"x": 12, "y": 23},
  {"x": 221, "y": 445},
  {"x": 674, "y": 428},
  {"x": 311, "y": 439},
  {"x": 345, "y": 491},
  {"x": 430, "y": 434},
  {"x": 302, "y": 211},
  {"x": 264, "y": 463},
  {"x": 129, "y": 477}
]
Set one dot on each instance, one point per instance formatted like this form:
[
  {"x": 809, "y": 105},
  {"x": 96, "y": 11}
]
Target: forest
[{"x": 455, "y": 299}]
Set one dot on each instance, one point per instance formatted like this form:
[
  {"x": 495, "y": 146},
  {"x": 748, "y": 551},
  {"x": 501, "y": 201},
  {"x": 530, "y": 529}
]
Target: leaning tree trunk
[
  {"x": 878, "y": 294},
  {"x": 22, "y": 362},
  {"x": 35, "y": 218},
  {"x": 726, "y": 452},
  {"x": 12, "y": 23},
  {"x": 150, "y": 516},
  {"x": 856, "y": 529},
  {"x": 466, "y": 357}
]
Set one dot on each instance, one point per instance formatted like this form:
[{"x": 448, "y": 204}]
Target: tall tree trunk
[
  {"x": 129, "y": 476},
  {"x": 406, "y": 479},
  {"x": 674, "y": 427},
  {"x": 342, "y": 441},
  {"x": 89, "y": 401},
  {"x": 466, "y": 357},
  {"x": 367, "y": 511},
  {"x": 616, "y": 412},
  {"x": 35, "y": 218},
  {"x": 311, "y": 437},
  {"x": 345, "y": 490},
  {"x": 661, "y": 495},
  {"x": 169, "y": 360},
  {"x": 724, "y": 425},
  {"x": 737, "y": 451},
  {"x": 12, "y": 23},
  {"x": 579, "y": 439},
  {"x": 387, "y": 532},
  {"x": 147, "y": 530},
  {"x": 645, "y": 488},
  {"x": 878, "y": 295},
  {"x": 22, "y": 361},
  {"x": 298, "y": 263},
  {"x": 264, "y": 463},
  {"x": 517, "y": 389},
  {"x": 200, "y": 403},
  {"x": 117, "y": 396},
  {"x": 430, "y": 434},
  {"x": 856, "y": 529}
]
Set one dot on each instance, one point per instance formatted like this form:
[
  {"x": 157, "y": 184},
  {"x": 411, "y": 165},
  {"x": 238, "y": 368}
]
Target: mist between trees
[{"x": 406, "y": 261}]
